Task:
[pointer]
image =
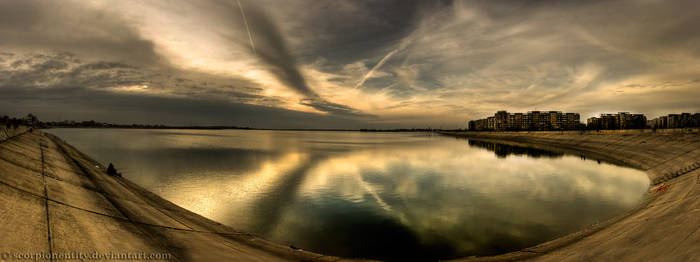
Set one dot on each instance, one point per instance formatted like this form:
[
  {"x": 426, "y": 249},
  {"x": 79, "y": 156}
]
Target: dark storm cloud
[
  {"x": 104, "y": 51},
  {"x": 400, "y": 62},
  {"x": 60, "y": 86},
  {"x": 42, "y": 70},
  {"x": 66, "y": 70},
  {"x": 271, "y": 47},
  {"x": 333, "y": 108},
  {"x": 344, "y": 32},
  {"x": 113, "y": 54},
  {"x": 67, "y": 26},
  {"x": 83, "y": 104}
]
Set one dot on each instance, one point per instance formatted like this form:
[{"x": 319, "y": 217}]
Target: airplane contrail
[
  {"x": 245, "y": 21},
  {"x": 375, "y": 67}
]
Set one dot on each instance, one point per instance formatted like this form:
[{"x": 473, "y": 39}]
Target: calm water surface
[{"x": 376, "y": 195}]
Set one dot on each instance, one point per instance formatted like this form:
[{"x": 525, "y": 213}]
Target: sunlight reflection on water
[{"x": 388, "y": 196}]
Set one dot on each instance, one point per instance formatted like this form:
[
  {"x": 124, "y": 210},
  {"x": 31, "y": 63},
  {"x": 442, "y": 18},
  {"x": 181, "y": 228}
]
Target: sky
[{"x": 344, "y": 64}]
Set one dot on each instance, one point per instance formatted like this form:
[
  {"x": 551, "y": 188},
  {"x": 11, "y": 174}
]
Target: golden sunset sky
[{"x": 345, "y": 64}]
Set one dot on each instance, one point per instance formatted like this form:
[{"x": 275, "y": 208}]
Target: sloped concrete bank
[
  {"x": 56, "y": 202},
  {"x": 664, "y": 227},
  {"x": 9, "y": 132}
]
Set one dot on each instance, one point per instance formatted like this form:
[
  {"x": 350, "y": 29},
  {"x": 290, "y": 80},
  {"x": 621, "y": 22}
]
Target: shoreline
[
  {"x": 60, "y": 200},
  {"x": 57, "y": 200},
  {"x": 671, "y": 160}
]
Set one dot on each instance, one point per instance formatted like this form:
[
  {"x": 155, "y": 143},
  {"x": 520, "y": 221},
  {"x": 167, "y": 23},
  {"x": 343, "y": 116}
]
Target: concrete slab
[
  {"x": 69, "y": 177},
  {"x": 23, "y": 222},
  {"x": 80, "y": 197},
  {"x": 21, "y": 177},
  {"x": 74, "y": 230},
  {"x": 54, "y": 157},
  {"x": 144, "y": 213},
  {"x": 198, "y": 246},
  {"x": 19, "y": 159},
  {"x": 19, "y": 147}
]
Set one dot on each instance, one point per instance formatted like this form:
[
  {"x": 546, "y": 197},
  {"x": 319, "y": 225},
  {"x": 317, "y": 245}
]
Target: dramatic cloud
[
  {"x": 362, "y": 63},
  {"x": 273, "y": 52},
  {"x": 66, "y": 26}
]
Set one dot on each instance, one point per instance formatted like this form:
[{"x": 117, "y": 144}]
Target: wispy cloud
[
  {"x": 247, "y": 28},
  {"x": 375, "y": 67},
  {"x": 386, "y": 63}
]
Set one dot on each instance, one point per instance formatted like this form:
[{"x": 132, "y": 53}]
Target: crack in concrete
[
  {"x": 103, "y": 214},
  {"x": 156, "y": 237},
  {"x": 163, "y": 232},
  {"x": 46, "y": 201}
]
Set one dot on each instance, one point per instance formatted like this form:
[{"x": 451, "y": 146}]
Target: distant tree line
[
  {"x": 33, "y": 121},
  {"x": 95, "y": 124},
  {"x": 408, "y": 130},
  {"x": 12, "y": 122}
]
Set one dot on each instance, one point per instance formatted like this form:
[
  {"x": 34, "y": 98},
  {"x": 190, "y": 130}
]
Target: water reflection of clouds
[
  {"x": 374, "y": 195},
  {"x": 213, "y": 195},
  {"x": 452, "y": 194}
]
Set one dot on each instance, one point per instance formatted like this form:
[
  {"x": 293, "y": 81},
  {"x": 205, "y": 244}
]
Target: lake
[{"x": 392, "y": 196}]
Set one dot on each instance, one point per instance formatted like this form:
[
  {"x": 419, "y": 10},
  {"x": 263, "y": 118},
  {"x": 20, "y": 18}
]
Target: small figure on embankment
[{"x": 113, "y": 171}]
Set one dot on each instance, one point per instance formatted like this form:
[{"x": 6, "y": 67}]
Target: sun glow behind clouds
[
  {"x": 213, "y": 52},
  {"x": 404, "y": 63},
  {"x": 133, "y": 88}
]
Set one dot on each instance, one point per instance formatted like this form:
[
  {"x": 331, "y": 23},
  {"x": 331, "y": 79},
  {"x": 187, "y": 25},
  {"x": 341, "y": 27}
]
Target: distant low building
[
  {"x": 682, "y": 120},
  {"x": 621, "y": 120},
  {"x": 533, "y": 120}
]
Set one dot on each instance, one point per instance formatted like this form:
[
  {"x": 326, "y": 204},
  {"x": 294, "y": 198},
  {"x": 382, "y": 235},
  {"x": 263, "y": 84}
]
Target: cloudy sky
[{"x": 344, "y": 64}]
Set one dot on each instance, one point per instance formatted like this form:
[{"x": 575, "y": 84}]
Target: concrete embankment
[
  {"x": 56, "y": 201},
  {"x": 9, "y": 132},
  {"x": 664, "y": 227}
]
